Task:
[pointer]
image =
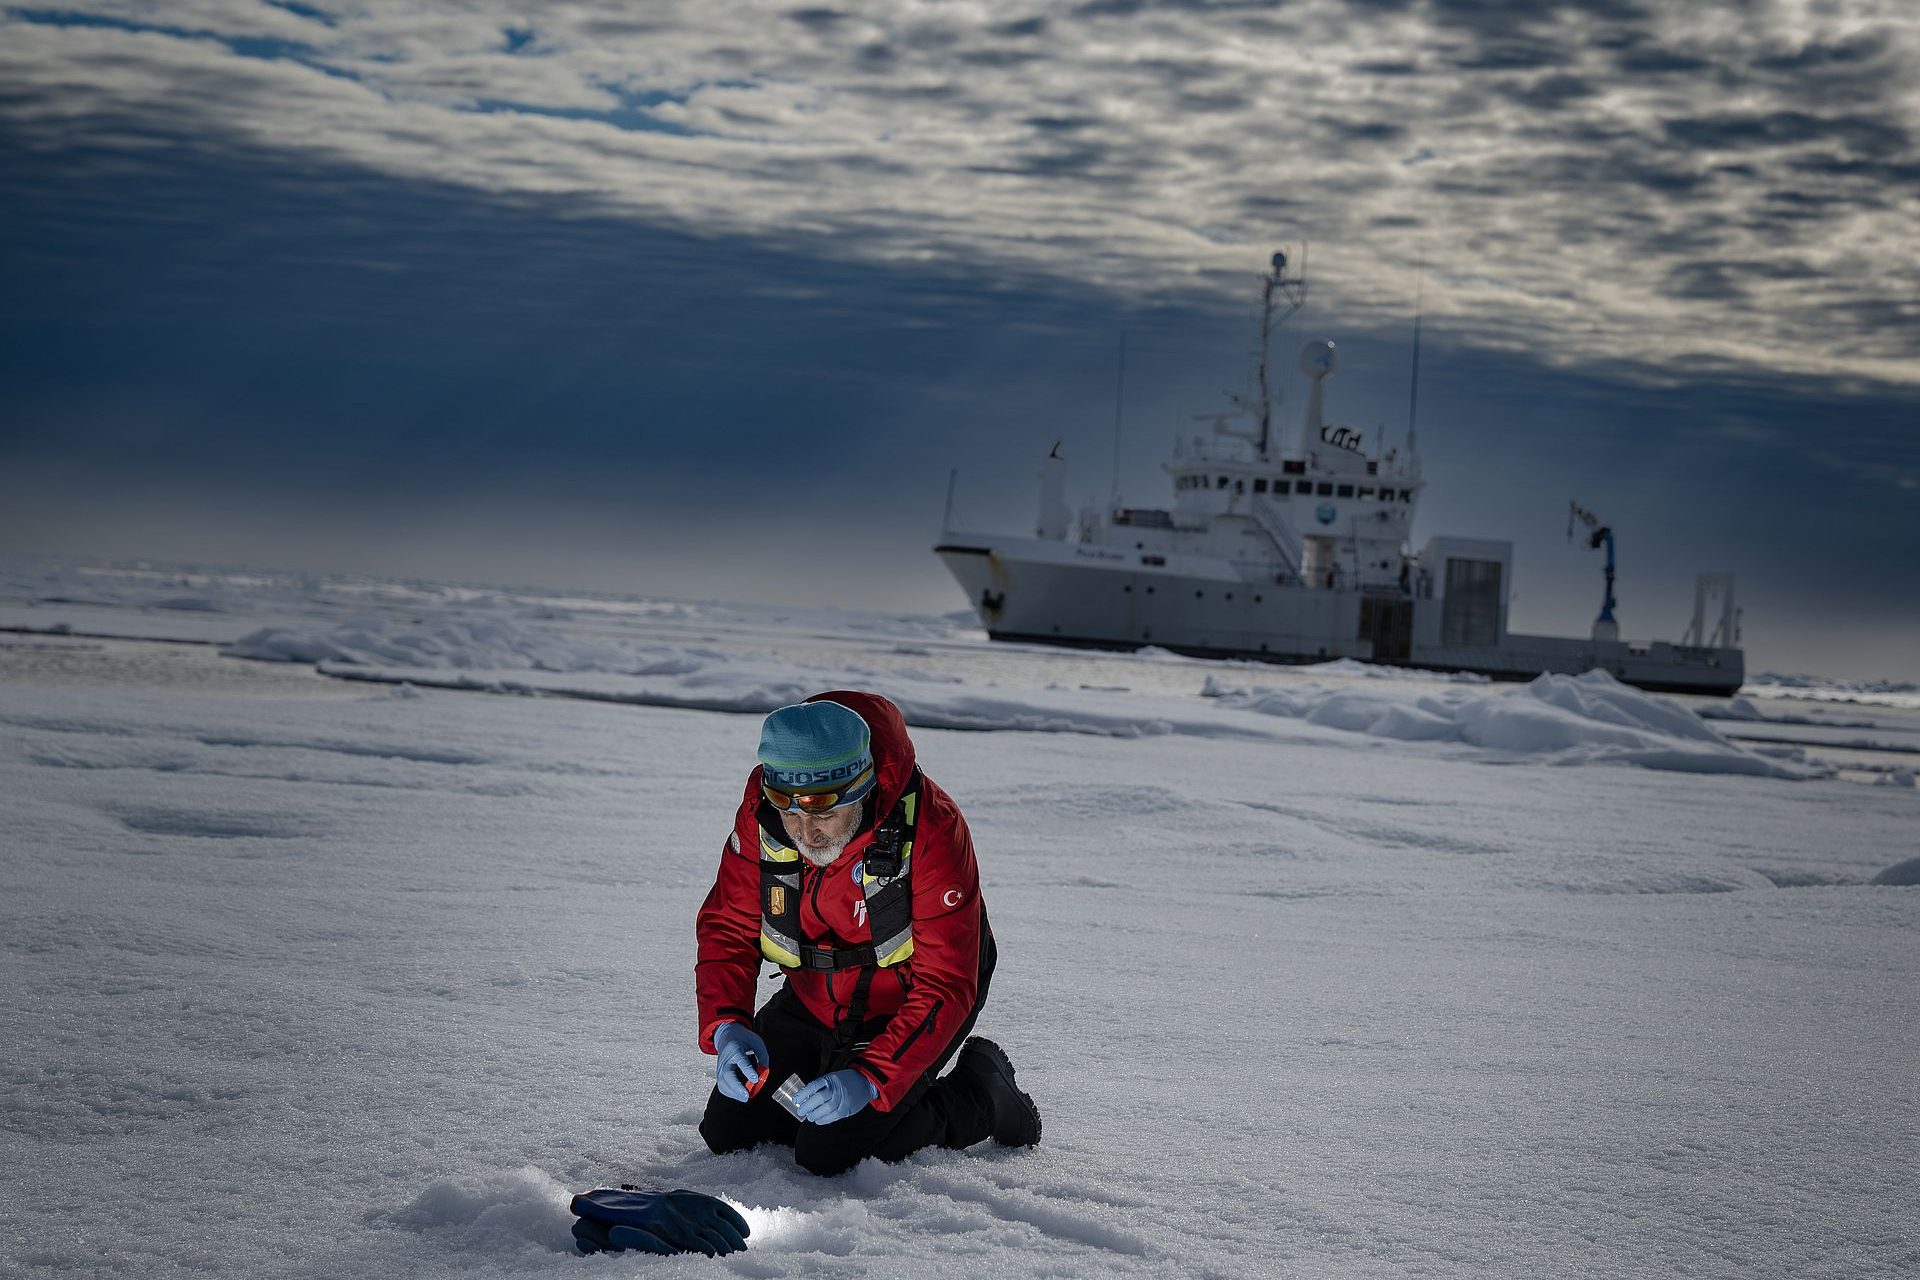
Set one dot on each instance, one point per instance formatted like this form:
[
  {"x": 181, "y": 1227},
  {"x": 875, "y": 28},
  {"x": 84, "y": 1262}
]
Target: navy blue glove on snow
[
  {"x": 657, "y": 1222},
  {"x": 834, "y": 1096},
  {"x": 743, "y": 1064}
]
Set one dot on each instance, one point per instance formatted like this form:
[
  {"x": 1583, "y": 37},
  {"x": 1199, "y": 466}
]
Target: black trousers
[{"x": 941, "y": 1111}]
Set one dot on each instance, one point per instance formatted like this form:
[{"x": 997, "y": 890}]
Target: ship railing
[
  {"x": 1143, "y": 517},
  {"x": 1692, "y": 654}
]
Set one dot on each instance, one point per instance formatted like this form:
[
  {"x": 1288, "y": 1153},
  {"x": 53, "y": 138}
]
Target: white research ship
[{"x": 1297, "y": 551}]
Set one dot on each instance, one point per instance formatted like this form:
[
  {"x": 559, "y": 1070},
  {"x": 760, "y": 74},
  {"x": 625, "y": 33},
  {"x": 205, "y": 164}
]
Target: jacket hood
[{"x": 892, "y": 748}]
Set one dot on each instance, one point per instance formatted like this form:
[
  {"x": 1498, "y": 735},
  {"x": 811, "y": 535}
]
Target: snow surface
[
  {"x": 1747, "y": 710},
  {"x": 1321, "y": 975},
  {"x": 1886, "y": 693},
  {"x": 1572, "y": 720}
]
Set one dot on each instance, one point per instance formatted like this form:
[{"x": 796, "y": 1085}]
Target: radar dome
[
  {"x": 1279, "y": 262},
  {"x": 1318, "y": 359}
]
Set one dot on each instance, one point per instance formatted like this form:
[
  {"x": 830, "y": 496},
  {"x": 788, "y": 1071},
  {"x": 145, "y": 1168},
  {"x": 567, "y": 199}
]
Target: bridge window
[
  {"x": 1366, "y": 491},
  {"x": 1303, "y": 486},
  {"x": 1325, "y": 490},
  {"x": 1260, "y": 485},
  {"x": 1223, "y": 482},
  {"x": 1346, "y": 491},
  {"x": 1406, "y": 495}
]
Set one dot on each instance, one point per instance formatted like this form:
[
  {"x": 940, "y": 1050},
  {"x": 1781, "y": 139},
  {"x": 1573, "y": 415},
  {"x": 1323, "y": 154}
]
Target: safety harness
[{"x": 886, "y": 878}]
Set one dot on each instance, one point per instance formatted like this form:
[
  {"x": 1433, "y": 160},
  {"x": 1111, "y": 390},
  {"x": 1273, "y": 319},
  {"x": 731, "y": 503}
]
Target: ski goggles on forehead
[{"x": 818, "y": 802}]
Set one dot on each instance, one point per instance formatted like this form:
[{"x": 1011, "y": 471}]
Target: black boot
[{"x": 1016, "y": 1121}]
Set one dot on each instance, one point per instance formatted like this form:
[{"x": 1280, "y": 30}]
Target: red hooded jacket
[{"x": 927, "y": 997}]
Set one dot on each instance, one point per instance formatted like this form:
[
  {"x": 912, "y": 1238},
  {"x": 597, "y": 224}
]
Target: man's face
[{"x": 821, "y": 837}]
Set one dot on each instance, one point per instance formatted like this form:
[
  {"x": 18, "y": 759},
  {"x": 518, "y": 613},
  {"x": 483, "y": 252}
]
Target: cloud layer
[{"x": 1681, "y": 188}]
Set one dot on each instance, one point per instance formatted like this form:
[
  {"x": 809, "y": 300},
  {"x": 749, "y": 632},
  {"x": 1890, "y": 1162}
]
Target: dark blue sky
[{"x": 223, "y": 347}]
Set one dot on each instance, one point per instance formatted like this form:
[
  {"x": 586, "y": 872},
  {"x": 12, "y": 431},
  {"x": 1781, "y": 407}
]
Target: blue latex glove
[
  {"x": 744, "y": 1062},
  {"x": 834, "y": 1096}
]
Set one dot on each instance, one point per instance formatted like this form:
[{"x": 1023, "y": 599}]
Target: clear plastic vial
[{"x": 784, "y": 1094}]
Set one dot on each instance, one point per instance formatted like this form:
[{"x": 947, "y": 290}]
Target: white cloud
[{"x": 1707, "y": 182}]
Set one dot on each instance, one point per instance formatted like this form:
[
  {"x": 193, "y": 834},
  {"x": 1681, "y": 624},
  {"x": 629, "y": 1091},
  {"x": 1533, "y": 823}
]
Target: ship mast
[{"x": 1291, "y": 290}]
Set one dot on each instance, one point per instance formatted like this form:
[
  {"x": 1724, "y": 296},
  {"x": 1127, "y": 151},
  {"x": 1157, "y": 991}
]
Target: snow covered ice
[{"x": 1312, "y": 972}]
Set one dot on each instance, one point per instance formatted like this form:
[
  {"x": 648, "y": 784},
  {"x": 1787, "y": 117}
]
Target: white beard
[{"x": 822, "y": 857}]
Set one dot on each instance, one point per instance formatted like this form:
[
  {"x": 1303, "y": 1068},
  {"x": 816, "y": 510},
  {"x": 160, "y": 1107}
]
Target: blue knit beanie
[{"x": 817, "y": 746}]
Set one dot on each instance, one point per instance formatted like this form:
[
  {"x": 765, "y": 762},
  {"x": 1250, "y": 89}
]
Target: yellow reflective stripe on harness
[
  {"x": 779, "y": 902},
  {"x": 886, "y": 959},
  {"x": 779, "y": 948},
  {"x": 890, "y": 902},
  {"x": 890, "y": 912}
]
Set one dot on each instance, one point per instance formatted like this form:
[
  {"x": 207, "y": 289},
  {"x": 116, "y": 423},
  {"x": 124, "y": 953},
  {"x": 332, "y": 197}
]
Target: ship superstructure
[{"x": 1296, "y": 548}]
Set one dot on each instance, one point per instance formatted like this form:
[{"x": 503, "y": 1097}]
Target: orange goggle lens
[{"x": 813, "y": 802}]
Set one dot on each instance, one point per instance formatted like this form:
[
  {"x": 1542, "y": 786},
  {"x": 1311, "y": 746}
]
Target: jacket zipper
[{"x": 915, "y": 1033}]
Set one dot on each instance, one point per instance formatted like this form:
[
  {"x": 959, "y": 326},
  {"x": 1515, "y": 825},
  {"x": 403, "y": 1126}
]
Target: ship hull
[{"x": 1050, "y": 592}]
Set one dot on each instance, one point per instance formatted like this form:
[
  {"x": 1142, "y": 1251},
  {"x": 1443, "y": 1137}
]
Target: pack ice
[{"x": 1314, "y": 972}]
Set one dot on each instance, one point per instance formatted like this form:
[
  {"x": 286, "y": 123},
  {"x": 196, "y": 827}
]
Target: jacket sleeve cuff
[
  {"x": 726, "y": 1016},
  {"x": 874, "y": 1079}
]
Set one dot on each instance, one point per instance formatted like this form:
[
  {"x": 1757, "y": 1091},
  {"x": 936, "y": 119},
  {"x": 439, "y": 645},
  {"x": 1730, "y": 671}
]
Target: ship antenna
[
  {"x": 1413, "y": 391},
  {"x": 1119, "y": 401},
  {"x": 1266, "y": 326}
]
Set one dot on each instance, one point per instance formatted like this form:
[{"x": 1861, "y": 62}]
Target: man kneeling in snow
[{"x": 850, "y": 870}]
